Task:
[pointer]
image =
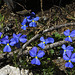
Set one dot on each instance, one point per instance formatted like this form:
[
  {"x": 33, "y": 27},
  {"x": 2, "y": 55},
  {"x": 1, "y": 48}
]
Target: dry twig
[
  {"x": 47, "y": 30},
  {"x": 22, "y": 50},
  {"x": 56, "y": 44}
]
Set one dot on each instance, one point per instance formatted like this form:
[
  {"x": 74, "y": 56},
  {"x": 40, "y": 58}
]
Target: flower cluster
[
  {"x": 29, "y": 20},
  {"x": 67, "y": 51},
  {"x": 67, "y": 33},
  {"x": 45, "y": 41},
  {"x": 33, "y": 51},
  {"x": 12, "y": 42}
]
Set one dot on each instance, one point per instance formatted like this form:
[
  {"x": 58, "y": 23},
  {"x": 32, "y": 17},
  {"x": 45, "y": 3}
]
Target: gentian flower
[
  {"x": 7, "y": 48},
  {"x": 24, "y": 27},
  {"x": 32, "y": 22},
  {"x": 17, "y": 38},
  {"x": 25, "y": 20},
  {"x": 66, "y": 49},
  {"x": 45, "y": 41},
  {"x": 2, "y": 40},
  {"x": 33, "y": 53},
  {"x": 67, "y": 33},
  {"x": 70, "y": 58}
]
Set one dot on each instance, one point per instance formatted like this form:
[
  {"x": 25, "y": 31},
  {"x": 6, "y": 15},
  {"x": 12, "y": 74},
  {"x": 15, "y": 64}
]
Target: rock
[
  {"x": 5, "y": 70},
  {"x": 10, "y": 70},
  {"x": 30, "y": 73},
  {"x": 22, "y": 72},
  {"x": 26, "y": 72},
  {"x": 14, "y": 71}
]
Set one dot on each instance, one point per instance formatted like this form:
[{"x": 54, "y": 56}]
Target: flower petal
[
  {"x": 68, "y": 39},
  {"x": 49, "y": 40},
  {"x": 66, "y": 33},
  {"x": 68, "y": 53},
  {"x": 7, "y": 49},
  {"x": 73, "y": 59},
  {"x": 23, "y": 27},
  {"x": 4, "y": 38},
  {"x": 70, "y": 48},
  {"x": 70, "y": 65},
  {"x": 18, "y": 35},
  {"x": 40, "y": 54},
  {"x": 42, "y": 39},
  {"x": 23, "y": 36},
  {"x": 73, "y": 55},
  {"x": 12, "y": 43},
  {"x": 33, "y": 51},
  {"x": 67, "y": 64},
  {"x": 35, "y": 61},
  {"x": 23, "y": 40},
  {"x": 64, "y": 46},
  {"x": 5, "y": 41},
  {"x": 42, "y": 45},
  {"x": 31, "y": 24},
  {"x": 32, "y": 14},
  {"x": 72, "y": 34},
  {"x": 24, "y": 21},
  {"x": 36, "y": 19},
  {"x": 65, "y": 57},
  {"x": 14, "y": 35}
]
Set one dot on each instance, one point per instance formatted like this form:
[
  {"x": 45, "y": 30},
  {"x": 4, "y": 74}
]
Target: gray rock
[{"x": 10, "y": 70}]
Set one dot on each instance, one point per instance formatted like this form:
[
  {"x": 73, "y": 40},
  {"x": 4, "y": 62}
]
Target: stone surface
[{"x": 10, "y": 70}]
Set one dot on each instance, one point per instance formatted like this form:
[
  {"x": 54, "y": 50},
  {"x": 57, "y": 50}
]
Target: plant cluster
[{"x": 17, "y": 38}]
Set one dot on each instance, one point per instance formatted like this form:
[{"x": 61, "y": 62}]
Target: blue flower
[
  {"x": 32, "y": 22},
  {"x": 45, "y": 41},
  {"x": 24, "y": 27},
  {"x": 25, "y": 20},
  {"x": 67, "y": 33},
  {"x": 18, "y": 38},
  {"x": 66, "y": 49},
  {"x": 2, "y": 40},
  {"x": 70, "y": 58},
  {"x": 7, "y": 48},
  {"x": 33, "y": 53}
]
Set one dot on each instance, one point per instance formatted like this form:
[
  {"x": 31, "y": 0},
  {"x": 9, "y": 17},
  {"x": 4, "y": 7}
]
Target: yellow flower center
[
  {"x": 69, "y": 36},
  {"x": 65, "y": 50},
  {"x": 7, "y": 43},
  {"x": 25, "y": 17},
  {"x": 32, "y": 20},
  {"x": 43, "y": 42},
  {"x": 36, "y": 57},
  {"x": 24, "y": 25},
  {"x": 69, "y": 60}
]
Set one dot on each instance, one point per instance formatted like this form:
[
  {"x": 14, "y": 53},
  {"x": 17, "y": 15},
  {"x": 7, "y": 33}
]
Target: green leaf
[
  {"x": 52, "y": 51},
  {"x": 48, "y": 58},
  {"x": 2, "y": 25}
]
